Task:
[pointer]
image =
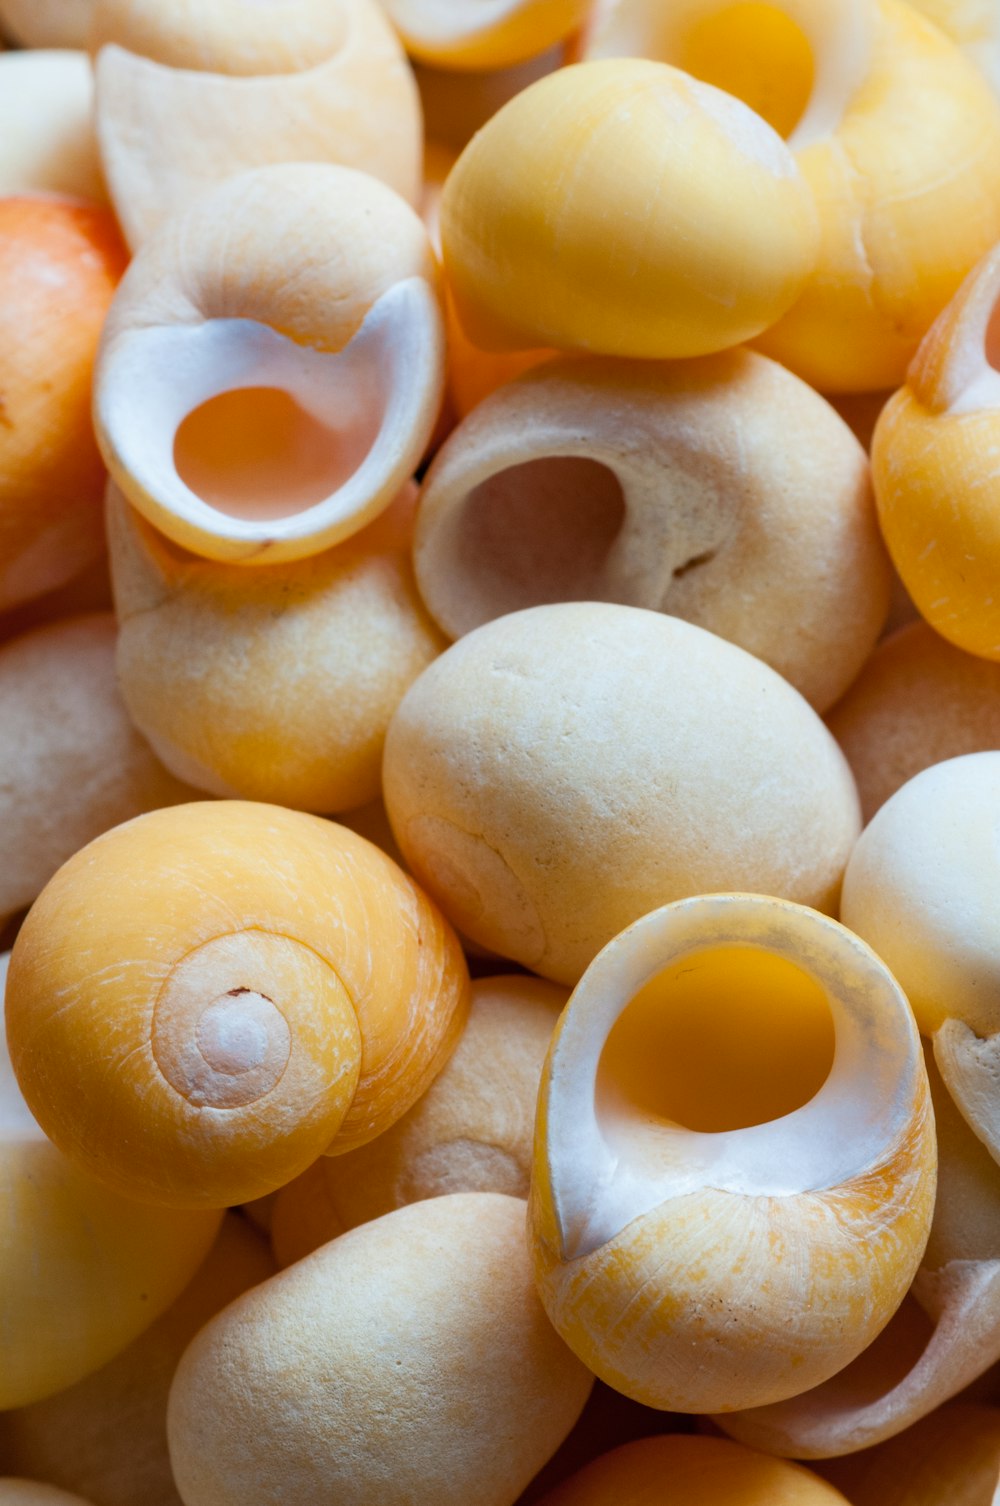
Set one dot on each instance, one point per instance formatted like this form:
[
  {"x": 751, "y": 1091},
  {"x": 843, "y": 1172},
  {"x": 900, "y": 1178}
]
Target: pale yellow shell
[{"x": 47, "y": 139}]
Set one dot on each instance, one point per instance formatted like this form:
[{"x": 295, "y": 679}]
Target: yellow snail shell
[
  {"x": 587, "y": 738},
  {"x": 945, "y": 1335},
  {"x": 189, "y": 93},
  {"x": 734, "y": 1155},
  {"x": 255, "y": 985},
  {"x": 47, "y": 139},
  {"x": 273, "y": 364},
  {"x": 470, "y": 1132},
  {"x": 107, "y": 1435},
  {"x": 918, "y": 701},
  {"x": 276, "y": 683},
  {"x": 715, "y": 229},
  {"x": 83, "y": 1270},
  {"x": 921, "y": 887},
  {"x": 897, "y": 135},
  {"x": 975, "y": 26},
  {"x": 494, "y": 35},
  {"x": 723, "y": 491},
  {"x": 409, "y": 1363}
]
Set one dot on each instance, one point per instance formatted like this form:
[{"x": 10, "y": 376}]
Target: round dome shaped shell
[
  {"x": 272, "y": 367},
  {"x": 253, "y": 982},
  {"x": 583, "y": 739},
  {"x": 762, "y": 1198},
  {"x": 683, "y": 172}
]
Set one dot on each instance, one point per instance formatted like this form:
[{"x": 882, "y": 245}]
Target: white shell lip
[
  {"x": 440, "y": 22},
  {"x": 863, "y": 1107},
  {"x": 151, "y": 379},
  {"x": 17, "y": 1123}
]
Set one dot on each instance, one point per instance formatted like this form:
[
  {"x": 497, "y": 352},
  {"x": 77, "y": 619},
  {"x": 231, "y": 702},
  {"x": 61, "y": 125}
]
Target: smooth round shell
[
  {"x": 723, "y": 491},
  {"x": 253, "y": 983},
  {"x": 717, "y": 1247},
  {"x": 686, "y": 172},
  {"x": 73, "y": 763},
  {"x": 47, "y": 139},
  {"x": 273, "y": 364},
  {"x": 951, "y": 1458},
  {"x": 408, "y": 1362},
  {"x": 569, "y": 742},
  {"x": 272, "y": 684}
]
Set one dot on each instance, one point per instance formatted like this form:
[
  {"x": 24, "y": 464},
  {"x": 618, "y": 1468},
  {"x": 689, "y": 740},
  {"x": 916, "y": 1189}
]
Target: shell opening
[
  {"x": 796, "y": 63},
  {"x": 720, "y": 1040},
  {"x": 247, "y": 436},
  {"x": 531, "y": 533},
  {"x": 725, "y": 1041}
]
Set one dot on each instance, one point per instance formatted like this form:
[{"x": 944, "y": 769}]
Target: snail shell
[
  {"x": 497, "y": 34},
  {"x": 975, "y": 27},
  {"x": 409, "y": 1363},
  {"x": 724, "y": 491},
  {"x": 917, "y": 702},
  {"x": 456, "y": 103},
  {"x": 715, "y": 233},
  {"x": 897, "y": 135},
  {"x": 31, "y": 1493},
  {"x": 471, "y": 1132},
  {"x": 951, "y": 1458},
  {"x": 60, "y": 262},
  {"x": 276, "y": 683},
  {"x": 922, "y": 887},
  {"x": 77, "y": 1439},
  {"x": 938, "y": 498},
  {"x": 255, "y": 984},
  {"x": 734, "y": 1159},
  {"x": 73, "y": 763},
  {"x": 945, "y": 1335},
  {"x": 47, "y": 138},
  {"x": 83, "y": 1270},
  {"x": 587, "y": 738},
  {"x": 273, "y": 364},
  {"x": 700, "y": 1471},
  {"x": 47, "y": 23},
  {"x": 188, "y": 94}
]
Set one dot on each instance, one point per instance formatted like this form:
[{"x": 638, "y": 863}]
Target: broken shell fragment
[
  {"x": 189, "y": 93},
  {"x": 588, "y": 738},
  {"x": 409, "y": 1363},
  {"x": 83, "y": 1270},
  {"x": 897, "y": 135},
  {"x": 254, "y": 984},
  {"x": 734, "y": 1158},
  {"x": 276, "y": 683},
  {"x": 273, "y": 364},
  {"x": 723, "y": 491},
  {"x": 717, "y": 230}
]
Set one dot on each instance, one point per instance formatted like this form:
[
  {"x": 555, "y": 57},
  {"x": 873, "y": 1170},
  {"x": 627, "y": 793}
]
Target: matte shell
[
  {"x": 188, "y": 94},
  {"x": 451, "y": 34},
  {"x": 723, "y": 491},
  {"x": 679, "y": 1471},
  {"x": 254, "y": 983},
  {"x": 975, "y": 26},
  {"x": 47, "y": 138},
  {"x": 73, "y": 763},
  {"x": 580, "y": 740},
  {"x": 471, "y": 1132},
  {"x": 951, "y": 1458},
  {"x": 107, "y": 1435},
  {"x": 47, "y": 23},
  {"x": 273, "y": 364},
  {"x": 31, "y": 1493},
  {"x": 408, "y": 1362},
  {"x": 277, "y": 683},
  {"x": 684, "y": 172},
  {"x": 917, "y": 702},
  {"x": 83, "y": 1270}
]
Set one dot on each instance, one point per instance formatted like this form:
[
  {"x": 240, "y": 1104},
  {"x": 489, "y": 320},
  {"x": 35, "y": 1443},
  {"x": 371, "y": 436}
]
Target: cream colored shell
[
  {"x": 83, "y": 1270},
  {"x": 917, "y": 702},
  {"x": 308, "y": 285},
  {"x": 922, "y": 887},
  {"x": 72, "y": 763},
  {"x": 470, "y": 1132},
  {"x": 951, "y": 1458},
  {"x": 944, "y": 1336},
  {"x": 31, "y": 1493},
  {"x": 723, "y": 491},
  {"x": 409, "y": 1363},
  {"x": 188, "y": 94},
  {"x": 47, "y": 139},
  {"x": 47, "y": 23},
  {"x": 975, "y": 26},
  {"x": 705, "y": 1248},
  {"x": 277, "y": 683},
  {"x": 561, "y": 771},
  {"x": 107, "y": 1435}
]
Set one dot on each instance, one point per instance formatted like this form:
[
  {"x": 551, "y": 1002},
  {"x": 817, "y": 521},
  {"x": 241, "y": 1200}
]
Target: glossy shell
[{"x": 255, "y": 983}]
